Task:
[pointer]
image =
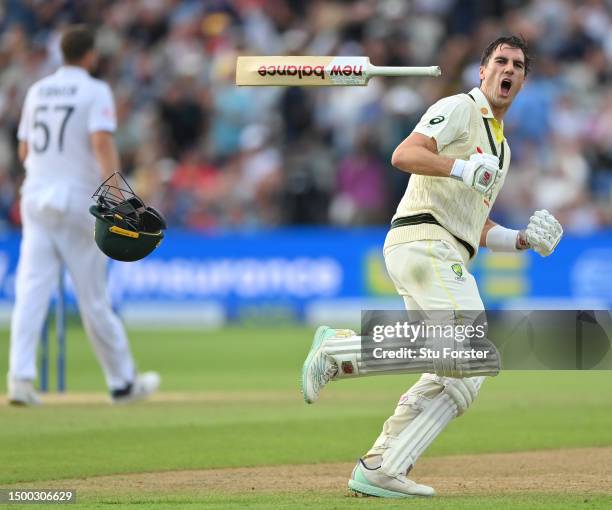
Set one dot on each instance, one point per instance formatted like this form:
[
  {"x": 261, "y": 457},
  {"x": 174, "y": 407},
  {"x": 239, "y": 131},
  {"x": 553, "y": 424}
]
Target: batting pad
[
  {"x": 360, "y": 356},
  {"x": 456, "y": 396}
]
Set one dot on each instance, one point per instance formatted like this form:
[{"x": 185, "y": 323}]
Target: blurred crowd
[{"x": 212, "y": 155}]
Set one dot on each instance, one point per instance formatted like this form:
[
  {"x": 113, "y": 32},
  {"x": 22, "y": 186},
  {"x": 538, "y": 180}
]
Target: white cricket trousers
[
  {"x": 423, "y": 274},
  {"x": 54, "y": 234}
]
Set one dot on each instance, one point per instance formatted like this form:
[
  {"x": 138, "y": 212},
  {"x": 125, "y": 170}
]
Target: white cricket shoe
[
  {"x": 319, "y": 368},
  {"x": 21, "y": 392},
  {"x": 373, "y": 482},
  {"x": 144, "y": 385}
]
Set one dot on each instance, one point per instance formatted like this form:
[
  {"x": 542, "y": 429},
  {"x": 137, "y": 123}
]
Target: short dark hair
[
  {"x": 514, "y": 42},
  {"x": 76, "y": 41}
]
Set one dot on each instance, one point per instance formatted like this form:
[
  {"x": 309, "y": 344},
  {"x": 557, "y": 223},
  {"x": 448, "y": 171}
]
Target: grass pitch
[{"x": 230, "y": 399}]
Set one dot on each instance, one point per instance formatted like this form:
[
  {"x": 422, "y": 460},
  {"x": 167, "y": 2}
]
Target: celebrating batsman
[{"x": 459, "y": 159}]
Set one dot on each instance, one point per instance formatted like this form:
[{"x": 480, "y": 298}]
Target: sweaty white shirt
[
  {"x": 457, "y": 123},
  {"x": 60, "y": 113}
]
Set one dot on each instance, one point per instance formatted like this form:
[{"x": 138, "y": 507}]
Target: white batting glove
[
  {"x": 542, "y": 234},
  {"x": 479, "y": 173}
]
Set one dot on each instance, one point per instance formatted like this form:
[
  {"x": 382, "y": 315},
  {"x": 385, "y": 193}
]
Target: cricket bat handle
[{"x": 403, "y": 71}]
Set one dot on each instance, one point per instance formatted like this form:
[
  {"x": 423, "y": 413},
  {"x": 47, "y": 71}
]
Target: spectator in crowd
[{"x": 272, "y": 156}]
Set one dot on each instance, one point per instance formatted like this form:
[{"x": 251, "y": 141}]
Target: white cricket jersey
[
  {"x": 60, "y": 113},
  {"x": 457, "y": 123}
]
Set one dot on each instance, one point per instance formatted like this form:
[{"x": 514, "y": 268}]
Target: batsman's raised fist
[
  {"x": 479, "y": 172},
  {"x": 543, "y": 233}
]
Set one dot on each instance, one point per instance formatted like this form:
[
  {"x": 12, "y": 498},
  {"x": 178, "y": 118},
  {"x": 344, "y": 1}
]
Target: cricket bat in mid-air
[{"x": 317, "y": 71}]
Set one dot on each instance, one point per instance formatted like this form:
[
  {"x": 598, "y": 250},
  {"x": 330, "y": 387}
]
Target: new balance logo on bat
[
  {"x": 299, "y": 71},
  {"x": 306, "y": 71},
  {"x": 346, "y": 70}
]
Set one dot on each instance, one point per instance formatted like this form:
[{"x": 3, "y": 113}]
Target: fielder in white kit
[
  {"x": 67, "y": 147},
  {"x": 459, "y": 159}
]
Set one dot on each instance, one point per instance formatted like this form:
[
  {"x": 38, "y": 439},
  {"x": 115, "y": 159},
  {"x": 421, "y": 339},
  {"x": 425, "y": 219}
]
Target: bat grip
[{"x": 404, "y": 71}]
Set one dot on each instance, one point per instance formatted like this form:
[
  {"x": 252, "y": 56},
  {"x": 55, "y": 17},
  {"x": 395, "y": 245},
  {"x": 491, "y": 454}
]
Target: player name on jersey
[{"x": 58, "y": 91}]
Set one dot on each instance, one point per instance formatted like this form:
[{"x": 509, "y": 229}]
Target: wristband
[
  {"x": 457, "y": 170},
  {"x": 502, "y": 239}
]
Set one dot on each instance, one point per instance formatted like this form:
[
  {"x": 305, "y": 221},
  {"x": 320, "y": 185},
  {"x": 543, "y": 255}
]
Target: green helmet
[{"x": 126, "y": 229}]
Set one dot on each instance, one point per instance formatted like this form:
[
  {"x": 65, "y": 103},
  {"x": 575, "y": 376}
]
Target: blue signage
[{"x": 291, "y": 268}]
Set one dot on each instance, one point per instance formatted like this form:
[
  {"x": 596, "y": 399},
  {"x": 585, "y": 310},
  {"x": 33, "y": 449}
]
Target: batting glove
[
  {"x": 479, "y": 172},
  {"x": 542, "y": 234}
]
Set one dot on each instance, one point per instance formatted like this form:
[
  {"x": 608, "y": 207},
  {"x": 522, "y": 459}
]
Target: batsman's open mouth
[{"x": 505, "y": 86}]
